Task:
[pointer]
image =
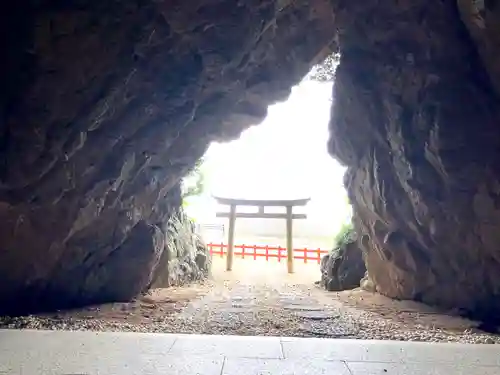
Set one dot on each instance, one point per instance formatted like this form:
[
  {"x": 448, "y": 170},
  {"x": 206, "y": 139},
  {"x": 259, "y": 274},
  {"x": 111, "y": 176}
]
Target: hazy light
[{"x": 284, "y": 157}]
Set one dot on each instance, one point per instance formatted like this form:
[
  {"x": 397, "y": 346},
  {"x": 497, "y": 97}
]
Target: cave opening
[
  {"x": 118, "y": 104},
  {"x": 284, "y": 157}
]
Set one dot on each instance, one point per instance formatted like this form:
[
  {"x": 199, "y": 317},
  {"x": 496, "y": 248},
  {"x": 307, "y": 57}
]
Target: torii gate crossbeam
[{"x": 289, "y": 216}]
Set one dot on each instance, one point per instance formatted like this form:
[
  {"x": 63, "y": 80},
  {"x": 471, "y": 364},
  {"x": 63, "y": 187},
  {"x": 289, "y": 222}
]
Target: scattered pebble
[{"x": 263, "y": 310}]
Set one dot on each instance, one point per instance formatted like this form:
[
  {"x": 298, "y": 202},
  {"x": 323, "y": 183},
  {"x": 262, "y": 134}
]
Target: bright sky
[{"x": 284, "y": 157}]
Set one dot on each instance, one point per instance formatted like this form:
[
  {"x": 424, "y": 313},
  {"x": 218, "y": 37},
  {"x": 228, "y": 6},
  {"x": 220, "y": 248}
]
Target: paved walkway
[
  {"x": 270, "y": 310},
  {"x": 29, "y": 352},
  {"x": 262, "y": 299}
]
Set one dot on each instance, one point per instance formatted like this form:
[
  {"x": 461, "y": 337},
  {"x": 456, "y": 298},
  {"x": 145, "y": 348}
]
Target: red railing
[{"x": 267, "y": 252}]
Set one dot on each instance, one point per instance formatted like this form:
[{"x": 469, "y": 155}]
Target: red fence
[{"x": 254, "y": 251}]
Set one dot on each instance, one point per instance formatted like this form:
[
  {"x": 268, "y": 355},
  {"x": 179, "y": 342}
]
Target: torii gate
[{"x": 261, "y": 214}]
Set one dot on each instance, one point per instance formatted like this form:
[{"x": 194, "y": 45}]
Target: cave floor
[
  {"x": 33, "y": 352},
  {"x": 261, "y": 299}
]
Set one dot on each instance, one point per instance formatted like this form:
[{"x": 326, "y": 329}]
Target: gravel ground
[
  {"x": 243, "y": 309},
  {"x": 271, "y": 315},
  {"x": 263, "y": 299}
]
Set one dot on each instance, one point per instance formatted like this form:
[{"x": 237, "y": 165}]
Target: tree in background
[
  {"x": 325, "y": 72},
  {"x": 194, "y": 183},
  {"x": 344, "y": 236},
  {"x": 346, "y": 233}
]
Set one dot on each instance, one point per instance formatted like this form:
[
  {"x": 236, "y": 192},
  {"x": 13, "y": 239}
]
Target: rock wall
[
  {"x": 415, "y": 118},
  {"x": 105, "y": 106},
  {"x": 185, "y": 258}
]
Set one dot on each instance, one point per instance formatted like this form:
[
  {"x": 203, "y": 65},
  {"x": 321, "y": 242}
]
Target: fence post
[
  {"x": 319, "y": 255},
  {"x": 254, "y": 252},
  {"x": 279, "y": 254},
  {"x": 222, "y": 249},
  {"x": 305, "y": 255},
  {"x": 243, "y": 251},
  {"x": 267, "y": 253}
]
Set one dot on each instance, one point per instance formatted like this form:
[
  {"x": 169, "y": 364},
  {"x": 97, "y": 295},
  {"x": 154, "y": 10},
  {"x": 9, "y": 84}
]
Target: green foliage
[
  {"x": 325, "y": 72},
  {"x": 193, "y": 184},
  {"x": 345, "y": 235}
]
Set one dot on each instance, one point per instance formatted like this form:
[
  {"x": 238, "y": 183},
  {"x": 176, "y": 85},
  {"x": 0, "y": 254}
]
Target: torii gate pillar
[{"x": 289, "y": 216}]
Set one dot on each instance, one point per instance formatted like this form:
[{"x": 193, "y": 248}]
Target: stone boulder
[
  {"x": 185, "y": 258},
  {"x": 194, "y": 266},
  {"x": 343, "y": 268},
  {"x": 367, "y": 283}
]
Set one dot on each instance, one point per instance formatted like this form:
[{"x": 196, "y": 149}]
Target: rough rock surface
[
  {"x": 105, "y": 106},
  {"x": 415, "y": 118},
  {"x": 186, "y": 258},
  {"x": 343, "y": 268},
  {"x": 367, "y": 283}
]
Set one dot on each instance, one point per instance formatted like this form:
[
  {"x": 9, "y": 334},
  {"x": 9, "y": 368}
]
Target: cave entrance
[{"x": 283, "y": 158}]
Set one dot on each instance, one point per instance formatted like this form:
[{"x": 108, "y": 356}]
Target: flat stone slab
[
  {"x": 298, "y": 301},
  {"x": 234, "y": 310},
  {"x": 327, "y": 329},
  {"x": 240, "y": 299},
  {"x": 243, "y": 301},
  {"x": 243, "y": 305},
  {"x": 111, "y": 353},
  {"x": 303, "y": 307},
  {"x": 288, "y": 295},
  {"x": 232, "y": 321},
  {"x": 316, "y": 315}
]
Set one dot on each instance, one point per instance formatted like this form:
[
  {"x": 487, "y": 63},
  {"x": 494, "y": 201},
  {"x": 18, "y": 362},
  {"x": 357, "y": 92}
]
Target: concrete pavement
[{"x": 30, "y": 352}]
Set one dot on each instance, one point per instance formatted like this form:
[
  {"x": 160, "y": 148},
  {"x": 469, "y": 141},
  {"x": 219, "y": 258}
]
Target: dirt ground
[
  {"x": 162, "y": 302},
  {"x": 260, "y": 297},
  {"x": 407, "y": 312}
]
